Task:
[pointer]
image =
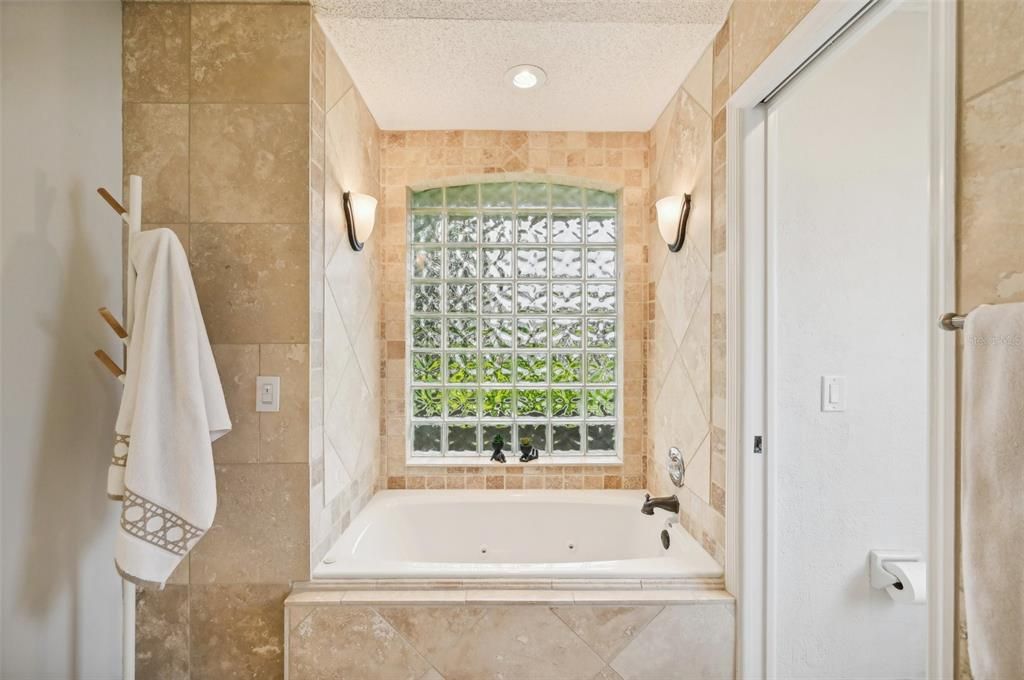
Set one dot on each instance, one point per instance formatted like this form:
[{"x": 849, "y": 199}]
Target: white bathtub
[{"x": 513, "y": 534}]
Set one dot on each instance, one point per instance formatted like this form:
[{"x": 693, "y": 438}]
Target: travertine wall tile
[
  {"x": 249, "y": 163},
  {"x": 252, "y": 281},
  {"x": 338, "y": 81},
  {"x": 607, "y": 630},
  {"x": 990, "y": 43},
  {"x": 248, "y": 242},
  {"x": 679, "y": 387},
  {"x": 991, "y": 232},
  {"x": 161, "y": 636},
  {"x": 756, "y": 29},
  {"x": 351, "y": 642},
  {"x": 155, "y": 52},
  {"x": 238, "y": 366},
  {"x": 260, "y": 532},
  {"x": 250, "y": 53},
  {"x": 347, "y": 306},
  {"x": 237, "y": 631},
  {"x": 514, "y": 640},
  {"x": 156, "y": 147},
  {"x": 703, "y": 635},
  {"x": 284, "y": 435},
  {"x": 990, "y": 177}
]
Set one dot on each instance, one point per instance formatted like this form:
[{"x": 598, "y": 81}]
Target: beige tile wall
[
  {"x": 613, "y": 160},
  {"x": 990, "y": 176},
  {"x": 345, "y": 305},
  {"x": 692, "y": 640},
  {"x": 217, "y": 124},
  {"x": 679, "y": 385}
]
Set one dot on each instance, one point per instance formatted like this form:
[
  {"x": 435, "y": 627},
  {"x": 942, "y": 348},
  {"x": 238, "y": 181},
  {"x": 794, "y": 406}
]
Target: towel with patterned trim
[{"x": 171, "y": 412}]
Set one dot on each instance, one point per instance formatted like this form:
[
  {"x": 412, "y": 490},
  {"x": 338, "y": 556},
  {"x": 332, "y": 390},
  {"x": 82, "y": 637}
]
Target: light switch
[
  {"x": 268, "y": 393},
  {"x": 833, "y": 393}
]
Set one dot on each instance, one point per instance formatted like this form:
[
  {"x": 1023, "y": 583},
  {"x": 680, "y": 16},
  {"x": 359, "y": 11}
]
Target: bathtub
[{"x": 530, "y": 534}]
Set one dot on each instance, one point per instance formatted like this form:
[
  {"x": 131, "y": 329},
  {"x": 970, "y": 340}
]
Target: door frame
[{"x": 750, "y": 524}]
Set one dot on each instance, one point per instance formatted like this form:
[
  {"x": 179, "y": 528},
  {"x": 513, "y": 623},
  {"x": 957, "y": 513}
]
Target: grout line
[{"x": 990, "y": 88}]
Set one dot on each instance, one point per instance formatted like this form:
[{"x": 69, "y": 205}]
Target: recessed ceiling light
[{"x": 526, "y": 76}]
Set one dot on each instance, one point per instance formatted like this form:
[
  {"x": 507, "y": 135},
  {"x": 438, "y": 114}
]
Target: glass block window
[{"x": 514, "y": 314}]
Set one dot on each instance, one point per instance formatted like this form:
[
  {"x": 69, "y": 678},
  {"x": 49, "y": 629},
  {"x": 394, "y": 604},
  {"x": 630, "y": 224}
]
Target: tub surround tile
[
  {"x": 431, "y": 630},
  {"x": 517, "y": 642},
  {"x": 237, "y": 631},
  {"x": 607, "y": 630},
  {"x": 156, "y": 148},
  {"x": 250, "y": 54},
  {"x": 238, "y": 366},
  {"x": 260, "y": 532},
  {"x": 354, "y": 642},
  {"x": 155, "y": 48},
  {"x": 296, "y": 614},
  {"x": 452, "y": 642},
  {"x": 681, "y": 642},
  {"x": 249, "y": 163},
  {"x": 404, "y": 597},
  {"x": 284, "y": 436},
  {"x": 252, "y": 281},
  {"x": 655, "y": 596},
  {"x": 326, "y": 596},
  {"x": 695, "y": 351},
  {"x": 337, "y": 79},
  {"x": 597, "y": 584},
  {"x": 519, "y": 597},
  {"x": 679, "y": 387},
  {"x": 607, "y": 673},
  {"x": 161, "y": 636}
]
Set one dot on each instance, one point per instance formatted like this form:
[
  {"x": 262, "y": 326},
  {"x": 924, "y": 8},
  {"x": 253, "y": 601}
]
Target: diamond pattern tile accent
[{"x": 513, "y": 641}]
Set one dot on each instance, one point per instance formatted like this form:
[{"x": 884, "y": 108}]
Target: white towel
[
  {"x": 992, "y": 518},
  {"x": 171, "y": 412}
]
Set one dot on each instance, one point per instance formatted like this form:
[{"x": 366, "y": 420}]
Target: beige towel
[{"x": 993, "y": 490}]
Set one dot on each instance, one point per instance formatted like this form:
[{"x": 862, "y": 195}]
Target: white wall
[
  {"x": 61, "y": 260},
  {"x": 848, "y": 183}
]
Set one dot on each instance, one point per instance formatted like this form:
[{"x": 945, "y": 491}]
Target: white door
[{"x": 848, "y": 305}]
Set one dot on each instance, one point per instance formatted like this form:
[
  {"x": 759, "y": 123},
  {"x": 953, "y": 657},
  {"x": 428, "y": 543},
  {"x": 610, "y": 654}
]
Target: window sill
[{"x": 481, "y": 461}]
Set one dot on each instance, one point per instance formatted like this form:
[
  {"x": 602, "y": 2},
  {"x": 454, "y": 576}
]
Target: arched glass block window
[{"x": 514, "y": 305}]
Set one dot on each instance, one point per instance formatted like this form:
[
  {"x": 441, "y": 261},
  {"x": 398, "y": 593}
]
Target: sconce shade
[
  {"x": 360, "y": 216},
  {"x": 673, "y": 214}
]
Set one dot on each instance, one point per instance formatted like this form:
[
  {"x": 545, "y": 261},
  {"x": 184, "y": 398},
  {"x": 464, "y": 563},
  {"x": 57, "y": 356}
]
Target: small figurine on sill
[
  {"x": 527, "y": 451},
  {"x": 498, "y": 444}
]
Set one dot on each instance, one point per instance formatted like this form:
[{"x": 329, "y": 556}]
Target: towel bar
[{"x": 951, "y": 321}]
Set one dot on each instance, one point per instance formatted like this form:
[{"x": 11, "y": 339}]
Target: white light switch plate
[
  {"x": 833, "y": 393},
  {"x": 268, "y": 393}
]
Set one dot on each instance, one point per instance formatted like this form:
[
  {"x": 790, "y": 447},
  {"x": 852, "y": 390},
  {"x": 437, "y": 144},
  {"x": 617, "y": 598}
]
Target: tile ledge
[{"x": 507, "y": 597}]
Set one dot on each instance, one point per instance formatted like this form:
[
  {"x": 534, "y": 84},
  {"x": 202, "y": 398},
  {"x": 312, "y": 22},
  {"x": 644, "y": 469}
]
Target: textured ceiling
[{"x": 611, "y": 64}]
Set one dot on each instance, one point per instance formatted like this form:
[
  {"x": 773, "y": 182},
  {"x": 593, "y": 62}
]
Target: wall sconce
[
  {"x": 673, "y": 213},
  {"x": 360, "y": 215}
]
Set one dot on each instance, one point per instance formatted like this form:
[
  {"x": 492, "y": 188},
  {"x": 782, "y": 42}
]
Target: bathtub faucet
[{"x": 670, "y": 503}]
